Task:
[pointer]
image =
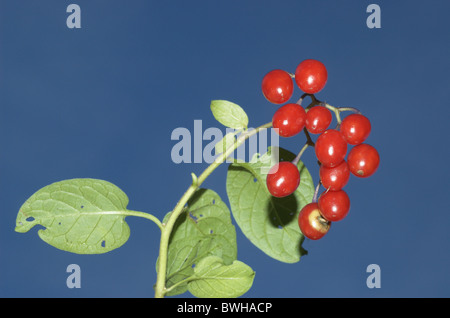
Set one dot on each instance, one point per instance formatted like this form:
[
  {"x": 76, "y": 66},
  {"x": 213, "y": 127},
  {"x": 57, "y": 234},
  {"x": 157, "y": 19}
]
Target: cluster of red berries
[{"x": 330, "y": 147}]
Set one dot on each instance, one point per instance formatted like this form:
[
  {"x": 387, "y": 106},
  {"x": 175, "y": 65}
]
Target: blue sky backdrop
[{"x": 103, "y": 100}]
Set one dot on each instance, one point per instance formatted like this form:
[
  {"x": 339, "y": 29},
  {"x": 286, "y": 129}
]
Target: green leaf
[
  {"x": 213, "y": 279},
  {"x": 269, "y": 223},
  {"x": 204, "y": 228},
  {"x": 226, "y": 142},
  {"x": 229, "y": 114},
  {"x": 83, "y": 216}
]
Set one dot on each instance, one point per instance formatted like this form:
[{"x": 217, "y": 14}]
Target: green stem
[
  {"x": 336, "y": 111},
  {"x": 144, "y": 215},
  {"x": 350, "y": 109},
  {"x": 181, "y": 282},
  {"x": 160, "y": 288}
]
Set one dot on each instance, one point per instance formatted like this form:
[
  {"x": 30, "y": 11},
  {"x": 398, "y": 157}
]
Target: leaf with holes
[
  {"x": 269, "y": 223},
  {"x": 214, "y": 279},
  {"x": 204, "y": 228},
  {"x": 83, "y": 216}
]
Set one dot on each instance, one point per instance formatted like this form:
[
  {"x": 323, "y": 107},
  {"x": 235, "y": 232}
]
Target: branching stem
[
  {"x": 337, "y": 111},
  {"x": 160, "y": 288}
]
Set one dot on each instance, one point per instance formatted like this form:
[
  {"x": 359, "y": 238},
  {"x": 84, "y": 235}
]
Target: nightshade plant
[{"x": 275, "y": 211}]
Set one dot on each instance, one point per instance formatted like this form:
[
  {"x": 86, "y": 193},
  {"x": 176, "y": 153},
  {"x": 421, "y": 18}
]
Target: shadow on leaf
[{"x": 282, "y": 210}]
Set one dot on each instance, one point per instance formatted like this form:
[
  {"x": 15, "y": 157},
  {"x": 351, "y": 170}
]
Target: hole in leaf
[
  {"x": 214, "y": 201},
  {"x": 29, "y": 219},
  {"x": 255, "y": 179},
  {"x": 103, "y": 243},
  {"x": 193, "y": 217},
  {"x": 59, "y": 223},
  {"x": 210, "y": 231},
  {"x": 82, "y": 207},
  {"x": 280, "y": 227}
]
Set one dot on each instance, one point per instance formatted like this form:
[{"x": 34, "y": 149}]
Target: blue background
[{"x": 103, "y": 100}]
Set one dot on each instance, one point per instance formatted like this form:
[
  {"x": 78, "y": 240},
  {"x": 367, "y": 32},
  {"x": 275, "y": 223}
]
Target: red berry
[
  {"x": 355, "y": 128},
  {"x": 277, "y": 86},
  {"x": 335, "y": 178},
  {"x": 318, "y": 118},
  {"x": 363, "y": 160},
  {"x": 311, "y": 76},
  {"x": 330, "y": 148},
  {"x": 334, "y": 205},
  {"x": 289, "y": 119},
  {"x": 311, "y": 222},
  {"x": 283, "y": 179}
]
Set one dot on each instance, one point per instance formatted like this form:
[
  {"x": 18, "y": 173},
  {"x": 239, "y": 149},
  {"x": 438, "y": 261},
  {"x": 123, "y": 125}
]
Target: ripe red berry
[
  {"x": 363, "y": 160},
  {"x": 318, "y": 119},
  {"x": 283, "y": 179},
  {"x": 335, "y": 178},
  {"x": 334, "y": 205},
  {"x": 277, "y": 86},
  {"x": 289, "y": 120},
  {"x": 355, "y": 128},
  {"x": 311, "y": 76},
  {"x": 311, "y": 222},
  {"x": 330, "y": 148}
]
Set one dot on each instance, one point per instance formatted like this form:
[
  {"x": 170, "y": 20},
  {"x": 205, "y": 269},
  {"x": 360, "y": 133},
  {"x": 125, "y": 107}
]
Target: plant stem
[
  {"x": 350, "y": 109},
  {"x": 184, "y": 281},
  {"x": 160, "y": 288},
  {"x": 300, "y": 101},
  {"x": 316, "y": 192},
  {"x": 314, "y": 101},
  {"x": 144, "y": 215},
  {"x": 308, "y": 143},
  {"x": 297, "y": 159},
  {"x": 336, "y": 111}
]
